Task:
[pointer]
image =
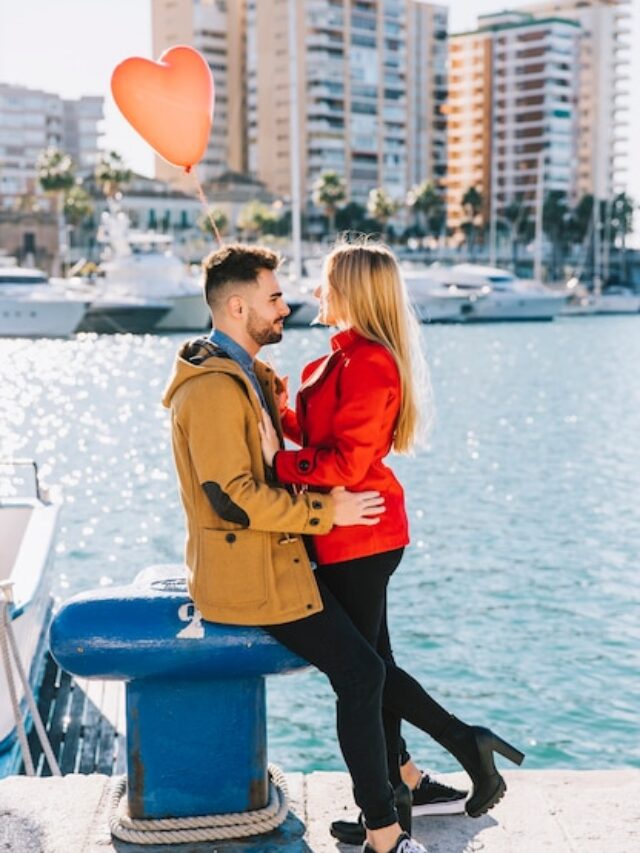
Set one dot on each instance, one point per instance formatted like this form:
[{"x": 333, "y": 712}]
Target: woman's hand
[
  {"x": 268, "y": 438},
  {"x": 282, "y": 393}
]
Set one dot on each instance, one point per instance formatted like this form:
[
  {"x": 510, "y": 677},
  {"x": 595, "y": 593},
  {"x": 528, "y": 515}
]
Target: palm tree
[
  {"x": 256, "y": 218},
  {"x": 111, "y": 173},
  {"x": 425, "y": 201},
  {"x": 472, "y": 205},
  {"x": 622, "y": 210},
  {"x": 56, "y": 174},
  {"x": 381, "y": 207},
  {"x": 328, "y": 193},
  {"x": 520, "y": 226},
  {"x": 555, "y": 221},
  {"x": 219, "y": 217}
]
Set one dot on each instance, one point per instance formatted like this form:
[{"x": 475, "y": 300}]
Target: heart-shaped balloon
[{"x": 169, "y": 102}]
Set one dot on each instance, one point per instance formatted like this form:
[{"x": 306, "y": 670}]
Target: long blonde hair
[{"x": 370, "y": 297}]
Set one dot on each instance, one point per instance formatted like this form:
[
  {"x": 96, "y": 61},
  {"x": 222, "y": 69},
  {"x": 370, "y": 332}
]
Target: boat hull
[
  {"x": 187, "y": 312},
  {"x": 40, "y": 318},
  {"x": 114, "y": 318}
]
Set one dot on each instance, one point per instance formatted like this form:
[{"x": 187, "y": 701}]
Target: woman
[{"x": 354, "y": 406}]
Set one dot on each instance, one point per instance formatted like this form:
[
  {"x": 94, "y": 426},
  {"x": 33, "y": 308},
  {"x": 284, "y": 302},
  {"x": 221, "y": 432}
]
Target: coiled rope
[{"x": 204, "y": 828}]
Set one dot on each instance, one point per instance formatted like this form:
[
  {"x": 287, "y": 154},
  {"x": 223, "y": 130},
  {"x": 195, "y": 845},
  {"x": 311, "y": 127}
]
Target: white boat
[
  {"x": 30, "y": 307},
  {"x": 434, "y": 301},
  {"x": 142, "y": 265},
  {"x": 28, "y": 525},
  {"x": 495, "y": 294},
  {"x": 612, "y": 300}
]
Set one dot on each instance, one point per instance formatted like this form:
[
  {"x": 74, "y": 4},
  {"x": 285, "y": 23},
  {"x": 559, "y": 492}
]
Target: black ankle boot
[{"x": 474, "y": 746}]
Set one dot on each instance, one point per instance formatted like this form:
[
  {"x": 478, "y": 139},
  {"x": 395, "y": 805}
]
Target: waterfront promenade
[{"x": 550, "y": 811}]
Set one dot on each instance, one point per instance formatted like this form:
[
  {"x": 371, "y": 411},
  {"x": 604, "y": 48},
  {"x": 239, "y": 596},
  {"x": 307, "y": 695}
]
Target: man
[{"x": 246, "y": 560}]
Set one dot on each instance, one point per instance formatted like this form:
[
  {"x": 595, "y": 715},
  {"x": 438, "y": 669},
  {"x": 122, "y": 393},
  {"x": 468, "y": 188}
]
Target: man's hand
[{"x": 356, "y": 507}]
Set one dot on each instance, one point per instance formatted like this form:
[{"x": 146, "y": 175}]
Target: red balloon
[{"x": 169, "y": 102}]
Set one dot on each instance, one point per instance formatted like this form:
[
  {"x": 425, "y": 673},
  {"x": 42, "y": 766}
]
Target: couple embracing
[{"x": 303, "y": 542}]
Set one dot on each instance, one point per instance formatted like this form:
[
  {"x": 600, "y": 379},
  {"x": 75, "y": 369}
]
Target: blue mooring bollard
[{"x": 195, "y": 693}]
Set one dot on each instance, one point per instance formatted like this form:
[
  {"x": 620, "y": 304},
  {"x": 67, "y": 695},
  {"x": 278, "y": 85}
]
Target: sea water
[{"x": 517, "y": 603}]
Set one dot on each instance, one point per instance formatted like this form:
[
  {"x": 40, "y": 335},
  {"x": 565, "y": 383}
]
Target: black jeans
[
  {"x": 330, "y": 641},
  {"x": 361, "y": 588}
]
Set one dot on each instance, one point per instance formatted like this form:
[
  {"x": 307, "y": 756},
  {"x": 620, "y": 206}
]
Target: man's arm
[{"x": 213, "y": 415}]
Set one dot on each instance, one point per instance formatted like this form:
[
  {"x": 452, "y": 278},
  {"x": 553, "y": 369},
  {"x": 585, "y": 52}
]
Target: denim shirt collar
[{"x": 232, "y": 349}]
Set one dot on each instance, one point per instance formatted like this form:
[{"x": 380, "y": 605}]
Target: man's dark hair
[{"x": 235, "y": 263}]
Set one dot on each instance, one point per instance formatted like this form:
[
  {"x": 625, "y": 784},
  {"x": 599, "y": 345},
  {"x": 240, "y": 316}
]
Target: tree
[
  {"x": 471, "y": 205},
  {"x": 520, "y": 227},
  {"x": 353, "y": 217},
  {"x": 78, "y": 205},
  {"x": 256, "y": 218},
  {"x": 555, "y": 223},
  {"x": 328, "y": 193},
  {"x": 56, "y": 174},
  {"x": 426, "y": 203},
  {"x": 381, "y": 206},
  {"x": 111, "y": 174},
  {"x": 219, "y": 217}
]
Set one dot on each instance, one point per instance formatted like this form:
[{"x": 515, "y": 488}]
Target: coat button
[
  {"x": 316, "y": 504},
  {"x": 303, "y": 465},
  {"x": 296, "y": 559},
  {"x": 230, "y": 537},
  {"x": 309, "y": 606},
  {"x": 314, "y": 522}
]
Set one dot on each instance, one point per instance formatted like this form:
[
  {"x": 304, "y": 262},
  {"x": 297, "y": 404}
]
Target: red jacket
[{"x": 346, "y": 413}]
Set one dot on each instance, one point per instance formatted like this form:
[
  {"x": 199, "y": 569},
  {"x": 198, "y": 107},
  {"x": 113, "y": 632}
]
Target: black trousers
[
  {"x": 330, "y": 641},
  {"x": 361, "y": 588},
  {"x": 349, "y": 642}
]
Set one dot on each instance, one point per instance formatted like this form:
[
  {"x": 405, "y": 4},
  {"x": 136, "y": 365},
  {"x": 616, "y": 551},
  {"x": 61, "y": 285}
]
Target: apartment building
[
  {"x": 216, "y": 29},
  {"x": 371, "y": 79},
  {"x": 32, "y": 120},
  {"x": 604, "y": 89},
  {"x": 513, "y": 112}
]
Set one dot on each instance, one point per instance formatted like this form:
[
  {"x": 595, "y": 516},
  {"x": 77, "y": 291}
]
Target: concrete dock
[{"x": 543, "y": 812}]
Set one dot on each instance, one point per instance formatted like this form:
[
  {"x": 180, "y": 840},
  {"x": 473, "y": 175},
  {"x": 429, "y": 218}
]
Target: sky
[{"x": 70, "y": 47}]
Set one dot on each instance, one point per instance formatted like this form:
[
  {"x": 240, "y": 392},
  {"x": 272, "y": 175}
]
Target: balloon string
[{"x": 206, "y": 206}]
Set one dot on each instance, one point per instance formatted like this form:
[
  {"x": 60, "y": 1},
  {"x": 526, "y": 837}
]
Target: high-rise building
[
  {"x": 371, "y": 78},
  {"x": 32, "y": 120},
  {"x": 603, "y": 89},
  {"x": 216, "y": 29},
  {"x": 513, "y": 112}
]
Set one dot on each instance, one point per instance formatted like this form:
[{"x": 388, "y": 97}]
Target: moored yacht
[
  {"x": 30, "y": 307},
  {"x": 497, "y": 295}
]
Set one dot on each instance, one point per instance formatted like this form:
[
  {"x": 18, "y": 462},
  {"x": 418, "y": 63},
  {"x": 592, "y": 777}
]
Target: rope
[
  {"x": 8, "y": 643},
  {"x": 203, "y": 828}
]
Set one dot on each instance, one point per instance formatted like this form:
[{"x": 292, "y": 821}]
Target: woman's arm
[{"x": 366, "y": 386}]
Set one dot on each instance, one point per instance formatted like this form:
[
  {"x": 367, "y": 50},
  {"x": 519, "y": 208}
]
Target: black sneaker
[
  {"x": 353, "y": 832},
  {"x": 404, "y": 844},
  {"x": 433, "y": 798}
]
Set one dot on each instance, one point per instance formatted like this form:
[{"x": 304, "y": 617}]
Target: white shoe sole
[{"x": 452, "y": 807}]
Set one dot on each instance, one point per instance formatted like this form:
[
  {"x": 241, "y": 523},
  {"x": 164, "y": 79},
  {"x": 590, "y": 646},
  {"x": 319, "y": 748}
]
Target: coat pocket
[{"x": 232, "y": 568}]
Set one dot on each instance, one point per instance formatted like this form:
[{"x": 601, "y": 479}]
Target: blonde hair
[{"x": 370, "y": 297}]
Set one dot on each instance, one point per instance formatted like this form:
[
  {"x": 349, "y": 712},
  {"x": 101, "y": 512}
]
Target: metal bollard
[{"x": 195, "y": 693}]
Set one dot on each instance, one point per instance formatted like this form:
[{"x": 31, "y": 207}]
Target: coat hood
[{"x": 196, "y": 358}]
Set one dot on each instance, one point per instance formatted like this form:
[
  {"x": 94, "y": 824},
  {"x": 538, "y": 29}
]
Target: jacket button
[
  {"x": 303, "y": 465},
  {"x": 230, "y": 537},
  {"x": 296, "y": 559},
  {"x": 316, "y": 504},
  {"x": 314, "y": 522},
  {"x": 309, "y": 606}
]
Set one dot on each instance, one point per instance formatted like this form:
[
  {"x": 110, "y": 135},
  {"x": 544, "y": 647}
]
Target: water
[{"x": 517, "y": 604}]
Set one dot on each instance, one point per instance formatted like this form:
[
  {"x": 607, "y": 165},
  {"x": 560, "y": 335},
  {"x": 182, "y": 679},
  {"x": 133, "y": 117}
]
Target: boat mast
[{"x": 294, "y": 144}]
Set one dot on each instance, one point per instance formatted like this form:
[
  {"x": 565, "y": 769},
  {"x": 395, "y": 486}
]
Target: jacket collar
[{"x": 345, "y": 340}]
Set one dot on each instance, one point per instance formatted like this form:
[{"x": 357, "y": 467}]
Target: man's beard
[{"x": 260, "y": 331}]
